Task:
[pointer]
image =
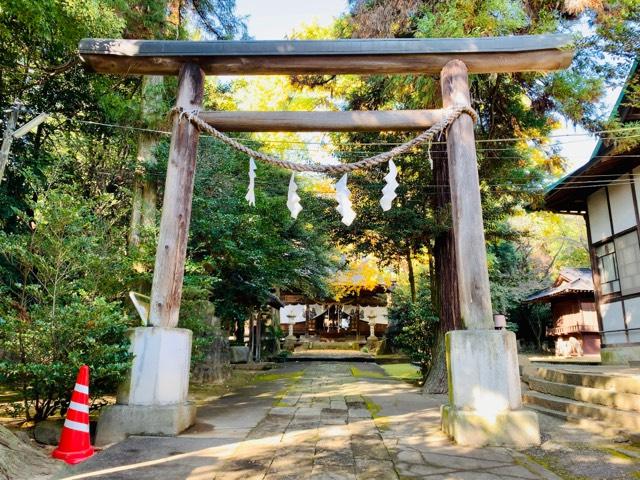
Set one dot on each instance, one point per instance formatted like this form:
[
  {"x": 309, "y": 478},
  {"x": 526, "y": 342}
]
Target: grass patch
[
  {"x": 618, "y": 454},
  {"x": 550, "y": 463},
  {"x": 403, "y": 371},
  {"x": 373, "y": 407},
  {"x": 356, "y": 372},
  {"x": 399, "y": 371}
]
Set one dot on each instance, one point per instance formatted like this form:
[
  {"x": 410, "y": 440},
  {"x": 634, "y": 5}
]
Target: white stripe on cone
[
  {"x": 81, "y": 388},
  {"x": 79, "y": 407},
  {"x": 80, "y": 427}
]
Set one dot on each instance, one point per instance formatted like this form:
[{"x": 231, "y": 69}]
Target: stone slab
[
  {"x": 620, "y": 355},
  {"x": 515, "y": 428},
  {"x": 117, "y": 422},
  {"x": 239, "y": 354},
  {"x": 152, "y": 458},
  {"x": 482, "y": 368},
  {"x": 160, "y": 370},
  {"x": 48, "y": 431}
]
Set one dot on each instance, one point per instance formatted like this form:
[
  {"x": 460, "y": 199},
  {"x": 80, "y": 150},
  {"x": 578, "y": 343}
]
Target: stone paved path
[{"x": 312, "y": 421}]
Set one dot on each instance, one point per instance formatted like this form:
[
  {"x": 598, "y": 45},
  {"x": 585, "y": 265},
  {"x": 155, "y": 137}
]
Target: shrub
[
  {"x": 413, "y": 328},
  {"x": 61, "y": 277},
  {"x": 43, "y": 353}
]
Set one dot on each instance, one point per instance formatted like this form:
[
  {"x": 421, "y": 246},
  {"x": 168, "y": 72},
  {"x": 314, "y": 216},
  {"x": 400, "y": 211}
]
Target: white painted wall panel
[
  {"x": 636, "y": 184},
  {"x": 632, "y": 311},
  {"x": 598, "y": 210},
  {"x": 628, "y": 258},
  {"x": 623, "y": 213},
  {"x": 612, "y": 319}
]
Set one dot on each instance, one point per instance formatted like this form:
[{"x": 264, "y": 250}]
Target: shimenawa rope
[{"x": 447, "y": 119}]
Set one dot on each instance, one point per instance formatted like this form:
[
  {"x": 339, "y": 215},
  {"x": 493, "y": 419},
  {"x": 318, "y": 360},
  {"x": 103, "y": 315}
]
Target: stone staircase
[{"x": 605, "y": 400}]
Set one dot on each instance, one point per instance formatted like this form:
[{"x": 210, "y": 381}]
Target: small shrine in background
[
  {"x": 575, "y": 323},
  {"x": 356, "y": 309},
  {"x": 349, "y": 318}
]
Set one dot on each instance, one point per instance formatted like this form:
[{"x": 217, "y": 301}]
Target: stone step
[
  {"x": 628, "y": 420},
  {"x": 587, "y": 424},
  {"x": 598, "y": 396},
  {"x": 616, "y": 383}
]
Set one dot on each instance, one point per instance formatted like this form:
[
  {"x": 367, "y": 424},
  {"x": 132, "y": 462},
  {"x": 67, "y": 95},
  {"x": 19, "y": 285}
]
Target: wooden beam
[
  {"x": 466, "y": 207},
  {"x": 355, "y": 121},
  {"x": 166, "y": 290},
  {"x": 380, "y": 56}
]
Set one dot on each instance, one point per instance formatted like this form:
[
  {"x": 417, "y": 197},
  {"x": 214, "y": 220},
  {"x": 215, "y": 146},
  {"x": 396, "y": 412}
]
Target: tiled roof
[{"x": 570, "y": 280}]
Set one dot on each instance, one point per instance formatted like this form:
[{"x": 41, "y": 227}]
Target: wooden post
[
  {"x": 466, "y": 208},
  {"x": 168, "y": 273}
]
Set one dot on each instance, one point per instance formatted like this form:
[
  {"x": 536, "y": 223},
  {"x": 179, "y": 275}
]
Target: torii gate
[{"x": 484, "y": 386}]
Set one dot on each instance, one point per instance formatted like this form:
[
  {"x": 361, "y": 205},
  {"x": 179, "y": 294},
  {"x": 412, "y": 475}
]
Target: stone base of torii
[{"x": 484, "y": 405}]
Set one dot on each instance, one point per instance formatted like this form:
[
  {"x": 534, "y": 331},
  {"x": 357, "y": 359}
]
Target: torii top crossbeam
[{"x": 380, "y": 56}]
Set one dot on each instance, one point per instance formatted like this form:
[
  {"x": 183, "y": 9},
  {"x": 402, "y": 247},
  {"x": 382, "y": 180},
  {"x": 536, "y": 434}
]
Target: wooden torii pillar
[{"x": 484, "y": 390}]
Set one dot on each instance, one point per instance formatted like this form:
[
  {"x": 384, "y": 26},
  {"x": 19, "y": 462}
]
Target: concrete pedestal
[
  {"x": 485, "y": 401},
  {"x": 153, "y": 399}
]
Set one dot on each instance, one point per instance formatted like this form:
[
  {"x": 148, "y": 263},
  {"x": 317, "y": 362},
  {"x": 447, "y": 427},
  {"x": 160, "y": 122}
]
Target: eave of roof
[
  {"x": 567, "y": 196},
  {"x": 576, "y": 281},
  {"x": 546, "y": 295}
]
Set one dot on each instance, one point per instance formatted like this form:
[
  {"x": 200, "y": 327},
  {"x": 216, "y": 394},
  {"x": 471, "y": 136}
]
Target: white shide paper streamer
[
  {"x": 293, "y": 199},
  {"x": 344, "y": 202},
  {"x": 389, "y": 190},
  {"x": 251, "y": 195}
]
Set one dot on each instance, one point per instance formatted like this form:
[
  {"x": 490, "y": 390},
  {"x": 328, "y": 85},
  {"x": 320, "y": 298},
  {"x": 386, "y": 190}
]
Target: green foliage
[
  {"x": 270, "y": 343},
  {"x": 413, "y": 326},
  {"x": 43, "y": 353},
  {"x": 60, "y": 281},
  {"x": 514, "y": 276},
  {"x": 250, "y": 251},
  {"x": 216, "y": 18}
]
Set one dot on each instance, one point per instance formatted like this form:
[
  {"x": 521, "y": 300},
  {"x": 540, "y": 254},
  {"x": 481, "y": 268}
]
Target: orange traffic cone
[{"x": 75, "y": 445}]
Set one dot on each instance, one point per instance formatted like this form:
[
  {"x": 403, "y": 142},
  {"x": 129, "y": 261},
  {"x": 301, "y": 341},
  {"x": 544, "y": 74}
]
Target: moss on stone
[{"x": 549, "y": 462}]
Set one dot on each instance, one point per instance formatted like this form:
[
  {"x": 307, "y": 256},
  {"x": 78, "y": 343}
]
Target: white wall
[
  {"x": 623, "y": 213},
  {"x": 612, "y": 319},
  {"x": 632, "y": 310},
  {"x": 597, "y": 207},
  {"x": 628, "y": 258}
]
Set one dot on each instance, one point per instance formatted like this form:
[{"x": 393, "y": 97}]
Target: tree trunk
[
  {"x": 412, "y": 279},
  {"x": 445, "y": 279},
  {"x": 143, "y": 207}
]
